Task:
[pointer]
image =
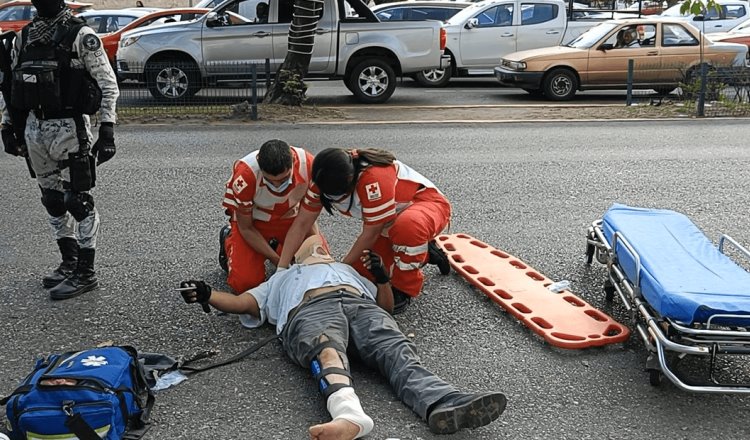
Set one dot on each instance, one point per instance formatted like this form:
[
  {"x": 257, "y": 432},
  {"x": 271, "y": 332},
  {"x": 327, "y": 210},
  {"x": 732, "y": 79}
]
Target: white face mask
[
  {"x": 282, "y": 187},
  {"x": 338, "y": 198}
]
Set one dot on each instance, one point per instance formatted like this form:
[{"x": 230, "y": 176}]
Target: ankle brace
[{"x": 344, "y": 404}]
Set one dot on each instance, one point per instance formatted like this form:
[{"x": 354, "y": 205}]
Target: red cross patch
[
  {"x": 373, "y": 191},
  {"x": 239, "y": 184}
]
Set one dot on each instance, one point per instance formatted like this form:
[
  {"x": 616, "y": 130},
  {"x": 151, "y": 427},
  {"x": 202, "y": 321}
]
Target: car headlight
[
  {"x": 514, "y": 65},
  {"x": 128, "y": 41}
]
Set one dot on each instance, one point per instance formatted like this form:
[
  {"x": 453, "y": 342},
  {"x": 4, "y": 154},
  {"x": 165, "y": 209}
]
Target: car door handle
[
  {"x": 261, "y": 34},
  {"x": 506, "y": 35},
  {"x": 322, "y": 31},
  {"x": 553, "y": 32},
  {"x": 652, "y": 53}
]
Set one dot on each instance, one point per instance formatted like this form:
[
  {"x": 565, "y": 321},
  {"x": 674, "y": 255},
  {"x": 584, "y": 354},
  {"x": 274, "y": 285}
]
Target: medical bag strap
[
  {"x": 194, "y": 370},
  {"x": 80, "y": 428}
]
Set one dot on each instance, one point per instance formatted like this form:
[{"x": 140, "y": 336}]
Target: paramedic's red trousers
[
  {"x": 247, "y": 268},
  {"x": 404, "y": 251}
]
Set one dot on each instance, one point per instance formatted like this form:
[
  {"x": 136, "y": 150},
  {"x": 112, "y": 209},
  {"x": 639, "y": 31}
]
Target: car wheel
[
  {"x": 372, "y": 81},
  {"x": 560, "y": 85},
  {"x": 172, "y": 80},
  {"x": 434, "y": 77}
]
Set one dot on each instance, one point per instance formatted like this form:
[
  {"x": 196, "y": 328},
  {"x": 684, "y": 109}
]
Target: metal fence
[
  {"x": 703, "y": 91},
  {"x": 179, "y": 88}
]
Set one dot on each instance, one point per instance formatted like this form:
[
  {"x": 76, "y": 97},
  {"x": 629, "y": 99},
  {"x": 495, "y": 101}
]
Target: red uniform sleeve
[
  {"x": 376, "y": 189},
  {"x": 311, "y": 202},
  {"x": 240, "y": 189}
]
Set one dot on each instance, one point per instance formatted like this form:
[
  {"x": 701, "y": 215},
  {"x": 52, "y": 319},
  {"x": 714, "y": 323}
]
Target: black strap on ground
[{"x": 188, "y": 370}]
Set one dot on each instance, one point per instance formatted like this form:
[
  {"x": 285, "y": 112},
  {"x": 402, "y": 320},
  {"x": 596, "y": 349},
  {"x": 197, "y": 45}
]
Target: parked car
[
  {"x": 110, "y": 20},
  {"x": 111, "y": 41},
  {"x": 175, "y": 59},
  {"x": 483, "y": 32},
  {"x": 665, "y": 53},
  {"x": 730, "y": 14},
  {"x": 16, "y": 14},
  {"x": 418, "y": 10}
]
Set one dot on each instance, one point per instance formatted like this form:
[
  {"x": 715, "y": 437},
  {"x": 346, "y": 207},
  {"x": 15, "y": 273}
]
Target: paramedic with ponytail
[{"x": 402, "y": 212}]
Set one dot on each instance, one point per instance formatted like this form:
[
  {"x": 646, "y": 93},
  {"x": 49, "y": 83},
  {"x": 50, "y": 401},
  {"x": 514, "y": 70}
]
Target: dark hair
[
  {"x": 335, "y": 170},
  {"x": 275, "y": 157}
]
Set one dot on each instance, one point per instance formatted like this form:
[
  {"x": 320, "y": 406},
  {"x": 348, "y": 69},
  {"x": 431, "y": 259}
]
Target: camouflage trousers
[{"x": 49, "y": 142}]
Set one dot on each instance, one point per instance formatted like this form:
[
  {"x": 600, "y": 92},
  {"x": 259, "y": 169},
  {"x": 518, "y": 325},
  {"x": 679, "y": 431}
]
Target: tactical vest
[{"x": 45, "y": 81}]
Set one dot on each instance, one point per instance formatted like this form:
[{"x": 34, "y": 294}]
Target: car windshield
[
  {"x": 674, "y": 11},
  {"x": 592, "y": 36}
]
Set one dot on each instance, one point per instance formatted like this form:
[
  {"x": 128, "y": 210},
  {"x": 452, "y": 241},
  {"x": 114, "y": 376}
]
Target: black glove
[
  {"x": 200, "y": 294},
  {"x": 104, "y": 148},
  {"x": 376, "y": 268},
  {"x": 10, "y": 141}
]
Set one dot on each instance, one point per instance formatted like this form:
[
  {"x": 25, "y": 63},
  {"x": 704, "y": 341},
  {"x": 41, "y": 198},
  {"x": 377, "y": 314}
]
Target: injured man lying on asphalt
[{"x": 321, "y": 308}]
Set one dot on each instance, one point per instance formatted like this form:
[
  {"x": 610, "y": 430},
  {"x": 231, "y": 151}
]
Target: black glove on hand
[
  {"x": 104, "y": 148},
  {"x": 200, "y": 294},
  {"x": 10, "y": 142},
  {"x": 376, "y": 268}
]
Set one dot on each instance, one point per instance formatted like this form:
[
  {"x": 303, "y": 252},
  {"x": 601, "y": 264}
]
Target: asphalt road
[{"x": 530, "y": 189}]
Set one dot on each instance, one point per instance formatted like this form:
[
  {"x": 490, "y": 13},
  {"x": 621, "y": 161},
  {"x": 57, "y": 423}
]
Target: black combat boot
[
  {"x": 459, "y": 410},
  {"x": 438, "y": 258},
  {"x": 69, "y": 251},
  {"x": 223, "y": 234},
  {"x": 400, "y": 301},
  {"x": 82, "y": 280}
]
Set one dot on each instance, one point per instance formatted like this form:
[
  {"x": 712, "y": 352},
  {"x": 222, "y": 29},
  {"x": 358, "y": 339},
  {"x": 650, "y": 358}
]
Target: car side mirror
[
  {"x": 606, "y": 46},
  {"x": 472, "y": 23},
  {"x": 212, "y": 19}
]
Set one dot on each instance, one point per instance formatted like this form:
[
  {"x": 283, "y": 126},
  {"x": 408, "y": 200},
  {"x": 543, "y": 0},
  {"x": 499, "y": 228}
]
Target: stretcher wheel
[
  {"x": 609, "y": 292},
  {"x": 601, "y": 256},
  {"x": 654, "y": 377}
]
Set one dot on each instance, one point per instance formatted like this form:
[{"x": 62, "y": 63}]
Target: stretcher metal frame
[{"x": 662, "y": 335}]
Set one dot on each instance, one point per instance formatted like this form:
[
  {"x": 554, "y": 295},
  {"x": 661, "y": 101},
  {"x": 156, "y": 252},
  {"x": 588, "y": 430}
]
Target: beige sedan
[{"x": 665, "y": 53}]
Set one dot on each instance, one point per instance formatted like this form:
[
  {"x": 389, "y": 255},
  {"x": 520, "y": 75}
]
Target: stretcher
[
  {"x": 561, "y": 318},
  {"x": 686, "y": 298}
]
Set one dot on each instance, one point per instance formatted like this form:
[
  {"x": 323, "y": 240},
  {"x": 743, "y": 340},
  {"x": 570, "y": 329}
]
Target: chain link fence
[
  {"x": 179, "y": 88},
  {"x": 702, "y": 91}
]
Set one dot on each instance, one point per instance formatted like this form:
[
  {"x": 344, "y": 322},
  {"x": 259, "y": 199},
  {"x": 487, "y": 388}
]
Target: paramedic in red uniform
[
  {"x": 401, "y": 210},
  {"x": 262, "y": 199}
]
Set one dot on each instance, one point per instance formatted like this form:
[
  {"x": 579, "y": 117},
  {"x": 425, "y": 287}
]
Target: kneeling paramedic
[
  {"x": 57, "y": 74},
  {"x": 321, "y": 308}
]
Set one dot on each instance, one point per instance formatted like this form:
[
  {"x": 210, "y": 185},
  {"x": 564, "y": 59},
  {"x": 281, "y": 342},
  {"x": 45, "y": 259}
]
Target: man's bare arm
[
  {"x": 254, "y": 238},
  {"x": 199, "y": 292}
]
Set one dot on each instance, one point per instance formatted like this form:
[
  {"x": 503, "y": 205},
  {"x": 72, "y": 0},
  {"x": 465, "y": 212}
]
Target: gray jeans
[{"x": 361, "y": 325}]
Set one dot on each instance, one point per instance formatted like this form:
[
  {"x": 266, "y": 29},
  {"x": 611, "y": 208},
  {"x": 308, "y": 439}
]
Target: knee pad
[
  {"x": 79, "y": 204},
  {"x": 54, "y": 202}
]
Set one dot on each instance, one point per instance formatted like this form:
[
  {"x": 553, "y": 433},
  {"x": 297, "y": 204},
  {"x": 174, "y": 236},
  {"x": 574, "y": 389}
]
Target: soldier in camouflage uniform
[{"x": 54, "y": 104}]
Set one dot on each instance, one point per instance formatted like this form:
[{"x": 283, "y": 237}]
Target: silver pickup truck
[{"x": 175, "y": 59}]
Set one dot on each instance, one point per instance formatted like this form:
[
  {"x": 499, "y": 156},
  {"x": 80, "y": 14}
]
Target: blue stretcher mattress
[{"x": 683, "y": 275}]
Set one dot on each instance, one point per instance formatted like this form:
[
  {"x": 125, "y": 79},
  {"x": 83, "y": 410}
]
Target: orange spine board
[{"x": 562, "y": 319}]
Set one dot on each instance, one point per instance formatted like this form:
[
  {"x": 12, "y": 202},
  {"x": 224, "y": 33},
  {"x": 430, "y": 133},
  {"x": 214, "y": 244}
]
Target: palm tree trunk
[{"x": 288, "y": 87}]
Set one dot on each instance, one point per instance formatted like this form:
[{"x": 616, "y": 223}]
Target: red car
[
  {"x": 16, "y": 14},
  {"x": 112, "y": 40},
  {"x": 738, "y": 34}
]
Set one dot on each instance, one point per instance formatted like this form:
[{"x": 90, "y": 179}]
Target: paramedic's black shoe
[
  {"x": 438, "y": 258},
  {"x": 223, "y": 234},
  {"x": 82, "y": 280},
  {"x": 69, "y": 251},
  {"x": 400, "y": 301},
  {"x": 458, "y": 410}
]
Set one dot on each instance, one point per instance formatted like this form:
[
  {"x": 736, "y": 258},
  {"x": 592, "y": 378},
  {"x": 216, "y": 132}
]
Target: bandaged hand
[
  {"x": 374, "y": 264},
  {"x": 200, "y": 293}
]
